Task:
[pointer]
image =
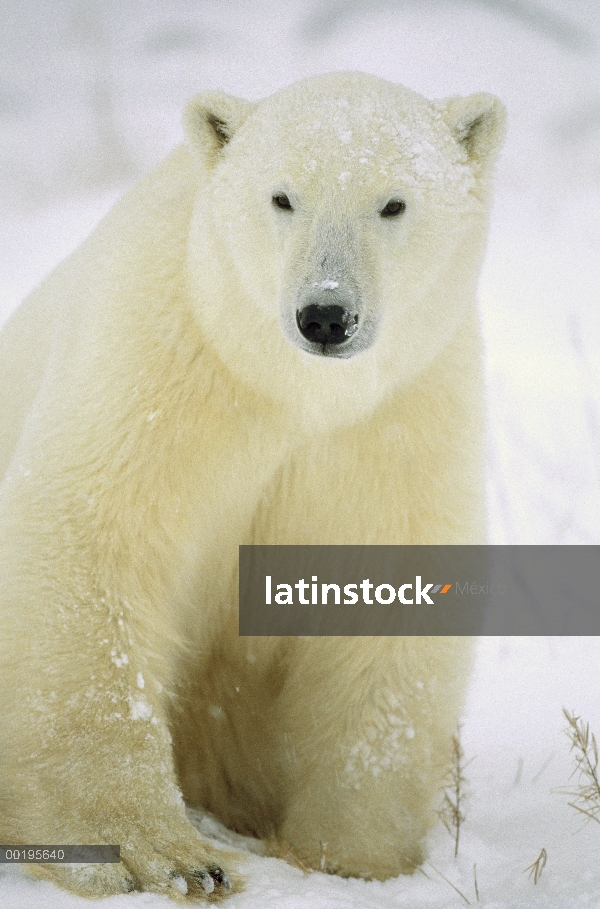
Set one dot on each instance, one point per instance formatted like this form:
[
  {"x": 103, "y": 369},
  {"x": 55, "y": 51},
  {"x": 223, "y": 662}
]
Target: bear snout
[{"x": 326, "y": 324}]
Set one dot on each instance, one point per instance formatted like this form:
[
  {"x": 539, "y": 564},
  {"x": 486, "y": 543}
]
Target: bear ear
[
  {"x": 478, "y": 124},
  {"x": 211, "y": 119}
]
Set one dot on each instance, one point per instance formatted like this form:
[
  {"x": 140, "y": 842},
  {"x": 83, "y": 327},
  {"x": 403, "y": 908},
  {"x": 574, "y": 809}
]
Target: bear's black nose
[{"x": 326, "y": 324}]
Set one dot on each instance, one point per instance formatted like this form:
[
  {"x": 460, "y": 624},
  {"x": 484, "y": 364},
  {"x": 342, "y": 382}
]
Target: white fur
[{"x": 159, "y": 407}]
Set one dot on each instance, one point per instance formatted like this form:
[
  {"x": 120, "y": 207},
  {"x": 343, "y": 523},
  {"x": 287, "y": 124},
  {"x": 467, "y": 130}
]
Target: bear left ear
[
  {"x": 211, "y": 119},
  {"x": 478, "y": 124}
]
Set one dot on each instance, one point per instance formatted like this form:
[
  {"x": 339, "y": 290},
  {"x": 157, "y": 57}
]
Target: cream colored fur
[{"x": 157, "y": 410}]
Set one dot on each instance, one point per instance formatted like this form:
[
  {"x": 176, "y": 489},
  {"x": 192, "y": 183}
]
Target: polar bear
[{"x": 273, "y": 338}]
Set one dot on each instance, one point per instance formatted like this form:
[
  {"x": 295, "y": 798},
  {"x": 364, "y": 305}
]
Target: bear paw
[{"x": 186, "y": 869}]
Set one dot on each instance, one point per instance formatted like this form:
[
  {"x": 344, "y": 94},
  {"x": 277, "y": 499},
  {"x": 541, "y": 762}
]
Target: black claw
[
  {"x": 220, "y": 876},
  {"x": 205, "y": 880},
  {"x": 129, "y": 885}
]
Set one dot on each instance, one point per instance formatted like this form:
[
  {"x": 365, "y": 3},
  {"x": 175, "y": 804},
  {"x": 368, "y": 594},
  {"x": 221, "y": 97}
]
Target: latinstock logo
[
  {"x": 361, "y": 590},
  {"x": 415, "y": 594}
]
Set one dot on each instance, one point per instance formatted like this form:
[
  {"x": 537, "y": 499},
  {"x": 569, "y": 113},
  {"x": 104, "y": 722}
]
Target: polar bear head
[{"x": 337, "y": 236}]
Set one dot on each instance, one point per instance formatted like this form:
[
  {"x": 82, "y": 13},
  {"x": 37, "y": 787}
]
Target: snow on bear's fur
[{"x": 271, "y": 339}]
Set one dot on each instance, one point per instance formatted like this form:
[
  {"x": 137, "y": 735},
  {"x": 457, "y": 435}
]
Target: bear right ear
[
  {"x": 211, "y": 119},
  {"x": 478, "y": 123}
]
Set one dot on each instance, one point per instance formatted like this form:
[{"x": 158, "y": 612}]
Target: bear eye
[
  {"x": 282, "y": 201},
  {"x": 394, "y": 208}
]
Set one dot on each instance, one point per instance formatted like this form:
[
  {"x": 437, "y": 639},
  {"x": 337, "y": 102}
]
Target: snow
[
  {"x": 328, "y": 284},
  {"x": 140, "y": 709},
  {"x": 91, "y": 95}
]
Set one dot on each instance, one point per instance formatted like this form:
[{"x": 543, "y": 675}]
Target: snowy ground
[{"x": 90, "y": 98}]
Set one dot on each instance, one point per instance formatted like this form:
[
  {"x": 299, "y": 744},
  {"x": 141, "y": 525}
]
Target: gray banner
[
  {"x": 419, "y": 590},
  {"x": 57, "y": 855}
]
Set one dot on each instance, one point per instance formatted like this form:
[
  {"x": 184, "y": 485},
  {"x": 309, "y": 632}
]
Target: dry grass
[
  {"x": 323, "y": 859},
  {"x": 585, "y": 794},
  {"x": 451, "y": 812},
  {"x": 536, "y": 868}
]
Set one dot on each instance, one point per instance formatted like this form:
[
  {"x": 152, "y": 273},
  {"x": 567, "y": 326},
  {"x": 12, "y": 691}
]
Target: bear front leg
[
  {"x": 85, "y": 752},
  {"x": 367, "y": 726}
]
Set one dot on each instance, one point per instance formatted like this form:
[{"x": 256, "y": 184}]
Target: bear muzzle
[{"x": 326, "y": 324}]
